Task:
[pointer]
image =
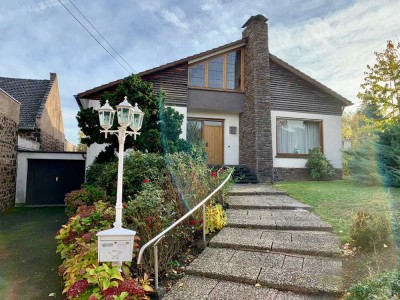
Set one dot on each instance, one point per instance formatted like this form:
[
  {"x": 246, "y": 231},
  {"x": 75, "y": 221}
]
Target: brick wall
[
  {"x": 255, "y": 145},
  {"x": 9, "y": 120}
]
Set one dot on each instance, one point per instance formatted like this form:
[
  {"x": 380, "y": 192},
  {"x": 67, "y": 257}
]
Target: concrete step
[
  {"x": 265, "y": 202},
  {"x": 201, "y": 288},
  {"x": 297, "y": 242},
  {"x": 296, "y": 273},
  {"x": 276, "y": 219},
  {"x": 254, "y": 189}
]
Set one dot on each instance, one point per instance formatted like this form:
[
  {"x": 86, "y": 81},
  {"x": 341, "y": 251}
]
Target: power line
[
  {"x": 102, "y": 36},
  {"x": 93, "y": 36}
]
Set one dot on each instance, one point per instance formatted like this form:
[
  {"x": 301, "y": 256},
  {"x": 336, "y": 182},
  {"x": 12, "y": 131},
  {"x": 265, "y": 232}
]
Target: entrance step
[
  {"x": 196, "y": 288},
  {"x": 296, "y": 242},
  {"x": 243, "y": 175},
  {"x": 294, "y": 273},
  {"x": 265, "y": 202},
  {"x": 276, "y": 219},
  {"x": 254, "y": 189}
]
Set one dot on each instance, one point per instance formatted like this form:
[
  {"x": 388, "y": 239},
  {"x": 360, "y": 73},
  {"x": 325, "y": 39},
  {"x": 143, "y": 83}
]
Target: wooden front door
[{"x": 214, "y": 141}]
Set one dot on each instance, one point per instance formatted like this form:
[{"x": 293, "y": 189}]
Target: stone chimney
[{"x": 255, "y": 145}]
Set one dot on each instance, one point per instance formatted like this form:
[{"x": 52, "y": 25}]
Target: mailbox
[{"x": 115, "y": 245}]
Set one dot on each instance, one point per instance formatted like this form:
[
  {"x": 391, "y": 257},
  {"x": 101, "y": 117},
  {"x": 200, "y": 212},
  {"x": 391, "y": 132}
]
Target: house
[
  {"x": 40, "y": 120},
  {"x": 34, "y": 169},
  {"x": 248, "y": 106}
]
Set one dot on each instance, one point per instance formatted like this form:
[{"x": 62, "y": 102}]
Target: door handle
[{"x": 206, "y": 144}]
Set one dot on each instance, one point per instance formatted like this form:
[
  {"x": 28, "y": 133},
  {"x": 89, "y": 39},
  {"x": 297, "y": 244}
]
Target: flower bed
[{"x": 158, "y": 192}]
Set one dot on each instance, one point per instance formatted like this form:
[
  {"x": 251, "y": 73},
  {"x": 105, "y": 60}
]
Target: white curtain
[{"x": 297, "y": 136}]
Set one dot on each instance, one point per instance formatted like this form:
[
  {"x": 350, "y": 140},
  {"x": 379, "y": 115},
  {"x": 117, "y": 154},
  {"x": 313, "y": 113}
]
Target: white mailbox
[{"x": 115, "y": 245}]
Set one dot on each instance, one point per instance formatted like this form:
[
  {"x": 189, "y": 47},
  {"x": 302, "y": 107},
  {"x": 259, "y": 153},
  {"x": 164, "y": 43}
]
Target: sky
[{"x": 332, "y": 41}]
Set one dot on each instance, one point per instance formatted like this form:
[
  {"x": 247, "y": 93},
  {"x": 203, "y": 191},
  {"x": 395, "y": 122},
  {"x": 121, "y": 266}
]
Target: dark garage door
[{"x": 49, "y": 180}]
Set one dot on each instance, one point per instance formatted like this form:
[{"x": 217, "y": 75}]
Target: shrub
[
  {"x": 363, "y": 163},
  {"x": 215, "y": 218},
  {"x": 370, "y": 229},
  {"x": 382, "y": 286},
  {"x": 85, "y": 196},
  {"x": 149, "y": 213},
  {"x": 319, "y": 167},
  {"x": 137, "y": 167}
]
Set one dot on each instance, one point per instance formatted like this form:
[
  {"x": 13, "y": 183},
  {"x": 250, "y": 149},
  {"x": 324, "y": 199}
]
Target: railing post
[
  {"x": 204, "y": 223},
  {"x": 156, "y": 265}
]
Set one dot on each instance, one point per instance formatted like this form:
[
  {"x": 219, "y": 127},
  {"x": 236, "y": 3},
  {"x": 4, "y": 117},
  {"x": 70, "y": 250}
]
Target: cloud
[
  {"x": 28, "y": 9},
  {"x": 175, "y": 16}
]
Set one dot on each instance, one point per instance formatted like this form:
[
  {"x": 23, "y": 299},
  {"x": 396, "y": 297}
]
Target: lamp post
[{"x": 115, "y": 244}]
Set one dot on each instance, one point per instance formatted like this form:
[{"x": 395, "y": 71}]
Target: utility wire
[
  {"x": 90, "y": 23},
  {"x": 93, "y": 36}
]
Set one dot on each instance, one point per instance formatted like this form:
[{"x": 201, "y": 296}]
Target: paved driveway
[{"x": 28, "y": 262}]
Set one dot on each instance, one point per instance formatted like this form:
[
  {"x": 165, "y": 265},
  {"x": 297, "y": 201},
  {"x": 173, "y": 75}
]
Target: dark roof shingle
[{"x": 31, "y": 93}]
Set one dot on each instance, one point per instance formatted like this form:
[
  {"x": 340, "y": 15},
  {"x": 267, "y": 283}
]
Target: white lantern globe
[
  {"x": 106, "y": 116},
  {"x": 137, "y": 118},
  {"x": 124, "y": 112}
]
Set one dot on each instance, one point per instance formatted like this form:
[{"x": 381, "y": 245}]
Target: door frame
[{"x": 202, "y": 120}]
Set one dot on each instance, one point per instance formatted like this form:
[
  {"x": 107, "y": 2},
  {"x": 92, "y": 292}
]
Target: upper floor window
[{"x": 221, "y": 72}]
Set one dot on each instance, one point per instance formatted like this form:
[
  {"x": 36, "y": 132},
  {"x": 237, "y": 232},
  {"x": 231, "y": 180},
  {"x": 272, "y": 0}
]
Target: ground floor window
[{"x": 296, "y": 137}]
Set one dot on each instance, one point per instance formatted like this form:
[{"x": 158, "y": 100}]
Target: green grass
[
  {"x": 335, "y": 201},
  {"x": 28, "y": 262}
]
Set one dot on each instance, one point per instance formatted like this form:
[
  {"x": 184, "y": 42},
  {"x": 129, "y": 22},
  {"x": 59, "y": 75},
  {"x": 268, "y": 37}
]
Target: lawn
[
  {"x": 335, "y": 202},
  {"x": 28, "y": 262}
]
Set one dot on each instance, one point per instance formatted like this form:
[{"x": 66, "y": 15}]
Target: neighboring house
[
  {"x": 9, "y": 119},
  {"x": 248, "y": 106},
  {"x": 40, "y": 120}
]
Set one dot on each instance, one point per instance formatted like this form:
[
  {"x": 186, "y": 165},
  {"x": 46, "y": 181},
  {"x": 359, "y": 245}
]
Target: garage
[{"x": 43, "y": 178}]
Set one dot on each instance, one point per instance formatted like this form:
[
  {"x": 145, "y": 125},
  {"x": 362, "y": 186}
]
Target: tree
[
  {"x": 389, "y": 155},
  {"x": 140, "y": 92},
  {"x": 81, "y": 147},
  {"x": 381, "y": 88}
]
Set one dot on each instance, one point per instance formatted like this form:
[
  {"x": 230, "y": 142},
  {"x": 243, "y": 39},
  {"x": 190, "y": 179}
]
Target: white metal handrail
[{"x": 155, "y": 240}]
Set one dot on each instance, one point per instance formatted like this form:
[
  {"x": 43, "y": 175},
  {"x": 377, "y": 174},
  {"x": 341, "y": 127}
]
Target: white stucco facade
[
  {"x": 231, "y": 141},
  {"x": 331, "y": 135}
]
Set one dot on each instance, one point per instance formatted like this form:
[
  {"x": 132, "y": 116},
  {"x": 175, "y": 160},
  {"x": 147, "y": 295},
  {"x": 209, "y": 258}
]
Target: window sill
[
  {"x": 214, "y": 90},
  {"x": 291, "y": 155}
]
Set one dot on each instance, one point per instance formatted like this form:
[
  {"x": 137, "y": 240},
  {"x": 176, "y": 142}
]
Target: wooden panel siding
[
  {"x": 289, "y": 92},
  {"x": 174, "y": 82}
]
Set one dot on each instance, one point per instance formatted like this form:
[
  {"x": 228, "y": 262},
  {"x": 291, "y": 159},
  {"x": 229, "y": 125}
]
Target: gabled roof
[
  {"x": 210, "y": 52},
  {"x": 31, "y": 93}
]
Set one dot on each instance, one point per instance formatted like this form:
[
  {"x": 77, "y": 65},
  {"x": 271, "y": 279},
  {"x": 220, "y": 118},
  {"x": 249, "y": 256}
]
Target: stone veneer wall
[
  {"x": 255, "y": 122},
  {"x": 296, "y": 174},
  {"x": 9, "y": 120},
  {"x": 50, "y": 143}
]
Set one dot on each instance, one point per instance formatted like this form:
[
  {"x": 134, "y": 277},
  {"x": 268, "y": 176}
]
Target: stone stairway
[{"x": 273, "y": 247}]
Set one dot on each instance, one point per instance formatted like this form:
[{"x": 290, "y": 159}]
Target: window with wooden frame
[
  {"x": 222, "y": 72},
  {"x": 296, "y": 137}
]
